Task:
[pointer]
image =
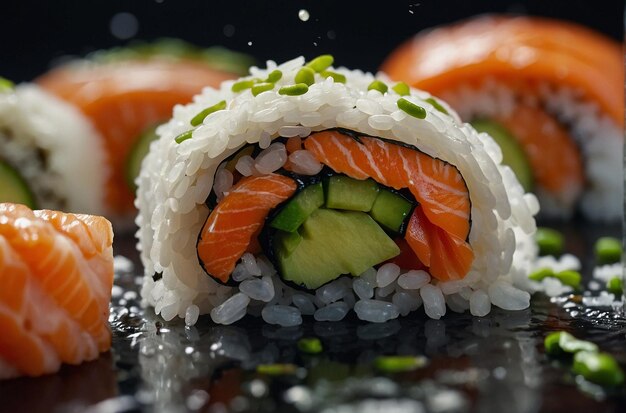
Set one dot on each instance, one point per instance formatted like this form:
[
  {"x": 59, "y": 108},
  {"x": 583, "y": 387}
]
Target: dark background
[{"x": 359, "y": 33}]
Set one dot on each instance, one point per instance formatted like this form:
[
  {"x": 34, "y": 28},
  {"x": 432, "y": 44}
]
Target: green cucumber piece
[
  {"x": 13, "y": 187},
  {"x": 334, "y": 243},
  {"x": 298, "y": 208},
  {"x": 390, "y": 210},
  {"x": 343, "y": 192},
  {"x": 137, "y": 153},
  {"x": 513, "y": 154}
]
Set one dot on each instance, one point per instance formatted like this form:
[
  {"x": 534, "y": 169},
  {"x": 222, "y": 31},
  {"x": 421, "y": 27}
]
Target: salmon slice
[
  {"x": 436, "y": 185},
  {"x": 447, "y": 256},
  {"x": 511, "y": 49},
  {"x": 58, "y": 272},
  {"x": 122, "y": 100},
  {"x": 553, "y": 155},
  {"x": 229, "y": 230}
]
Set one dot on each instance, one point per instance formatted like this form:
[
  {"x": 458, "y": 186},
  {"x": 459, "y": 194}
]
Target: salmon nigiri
[
  {"x": 126, "y": 94},
  {"x": 549, "y": 92},
  {"x": 56, "y": 271}
]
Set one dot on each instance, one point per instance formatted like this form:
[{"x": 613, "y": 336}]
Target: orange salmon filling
[{"x": 437, "y": 229}]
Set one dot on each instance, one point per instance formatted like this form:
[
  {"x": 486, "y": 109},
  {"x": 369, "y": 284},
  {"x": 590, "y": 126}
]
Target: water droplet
[
  {"x": 331, "y": 34},
  {"x": 249, "y": 43},
  {"x": 314, "y": 43},
  {"x": 303, "y": 15},
  {"x": 229, "y": 30},
  {"x": 124, "y": 25},
  {"x": 188, "y": 350}
]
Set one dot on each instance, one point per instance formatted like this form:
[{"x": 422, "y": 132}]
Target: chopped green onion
[
  {"x": 549, "y": 241},
  {"x": 243, "y": 85},
  {"x": 321, "y": 63},
  {"x": 401, "y": 89},
  {"x": 411, "y": 108},
  {"x": 437, "y": 105},
  {"x": 6, "y": 85},
  {"x": 561, "y": 342},
  {"x": 261, "y": 87},
  {"x": 541, "y": 273},
  {"x": 199, "y": 118},
  {"x": 378, "y": 85},
  {"x": 274, "y": 76},
  {"x": 615, "y": 286},
  {"x": 337, "y": 77},
  {"x": 569, "y": 277},
  {"x": 305, "y": 75},
  {"x": 184, "y": 136},
  {"x": 396, "y": 364},
  {"x": 294, "y": 90},
  {"x": 608, "y": 250},
  {"x": 310, "y": 345},
  {"x": 599, "y": 368},
  {"x": 277, "y": 369}
]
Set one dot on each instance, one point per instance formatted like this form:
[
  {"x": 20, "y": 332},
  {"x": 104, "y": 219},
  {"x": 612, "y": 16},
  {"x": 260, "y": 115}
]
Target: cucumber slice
[
  {"x": 13, "y": 187},
  {"x": 343, "y": 192},
  {"x": 390, "y": 210},
  {"x": 299, "y": 208},
  {"x": 334, "y": 243},
  {"x": 513, "y": 154},
  {"x": 137, "y": 153}
]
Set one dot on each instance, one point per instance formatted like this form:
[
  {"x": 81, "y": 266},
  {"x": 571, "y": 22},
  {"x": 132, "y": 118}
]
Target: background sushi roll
[
  {"x": 239, "y": 212},
  {"x": 126, "y": 92},
  {"x": 50, "y": 155},
  {"x": 550, "y": 93},
  {"x": 56, "y": 271}
]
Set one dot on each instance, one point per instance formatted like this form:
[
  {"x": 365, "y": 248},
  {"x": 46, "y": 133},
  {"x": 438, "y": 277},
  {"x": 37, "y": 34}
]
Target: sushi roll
[
  {"x": 56, "y": 271},
  {"x": 75, "y": 138},
  {"x": 549, "y": 92},
  {"x": 308, "y": 190}
]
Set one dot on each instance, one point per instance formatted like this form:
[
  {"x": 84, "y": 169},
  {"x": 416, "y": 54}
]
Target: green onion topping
[
  {"x": 243, "y": 85},
  {"x": 608, "y": 250},
  {"x": 277, "y": 369},
  {"x": 401, "y": 89},
  {"x": 615, "y": 286},
  {"x": 274, "y": 76},
  {"x": 310, "y": 345},
  {"x": 561, "y": 342},
  {"x": 294, "y": 90},
  {"x": 261, "y": 87},
  {"x": 599, "y": 368},
  {"x": 6, "y": 85},
  {"x": 397, "y": 364},
  {"x": 321, "y": 63},
  {"x": 411, "y": 108},
  {"x": 305, "y": 75},
  {"x": 437, "y": 105},
  {"x": 337, "y": 77},
  {"x": 567, "y": 277},
  {"x": 378, "y": 85},
  {"x": 199, "y": 118},
  {"x": 184, "y": 136},
  {"x": 541, "y": 273},
  {"x": 549, "y": 241}
]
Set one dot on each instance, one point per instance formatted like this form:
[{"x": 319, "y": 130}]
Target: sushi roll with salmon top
[
  {"x": 549, "y": 92},
  {"x": 305, "y": 189},
  {"x": 56, "y": 271}
]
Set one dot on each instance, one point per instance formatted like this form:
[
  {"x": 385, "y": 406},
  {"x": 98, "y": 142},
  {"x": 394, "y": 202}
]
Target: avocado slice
[
  {"x": 14, "y": 187},
  {"x": 513, "y": 154},
  {"x": 343, "y": 192},
  {"x": 137, "y": 153},
  {"x": 298, "y": 209},
  {"x": 390, "y": 210},
  {"x": 333, "y": 243}
]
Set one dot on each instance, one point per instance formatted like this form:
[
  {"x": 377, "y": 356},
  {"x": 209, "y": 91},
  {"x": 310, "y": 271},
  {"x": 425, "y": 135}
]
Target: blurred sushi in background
[
  {"x": 549, "y": 92},
  {"x": 75, "y": 138}
]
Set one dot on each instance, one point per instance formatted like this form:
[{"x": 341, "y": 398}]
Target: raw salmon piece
[
  {"x": 124, "y": 99},
  {"x": 436, "y": 185},
  {"x": 58, "y": 272},
  {"x": 229, "y": 230}
]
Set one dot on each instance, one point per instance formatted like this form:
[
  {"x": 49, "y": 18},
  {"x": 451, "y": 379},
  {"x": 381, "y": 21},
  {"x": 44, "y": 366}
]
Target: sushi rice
[
  {"x": 177, "y": 178},
  {"x": 54, "y": 148}
]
